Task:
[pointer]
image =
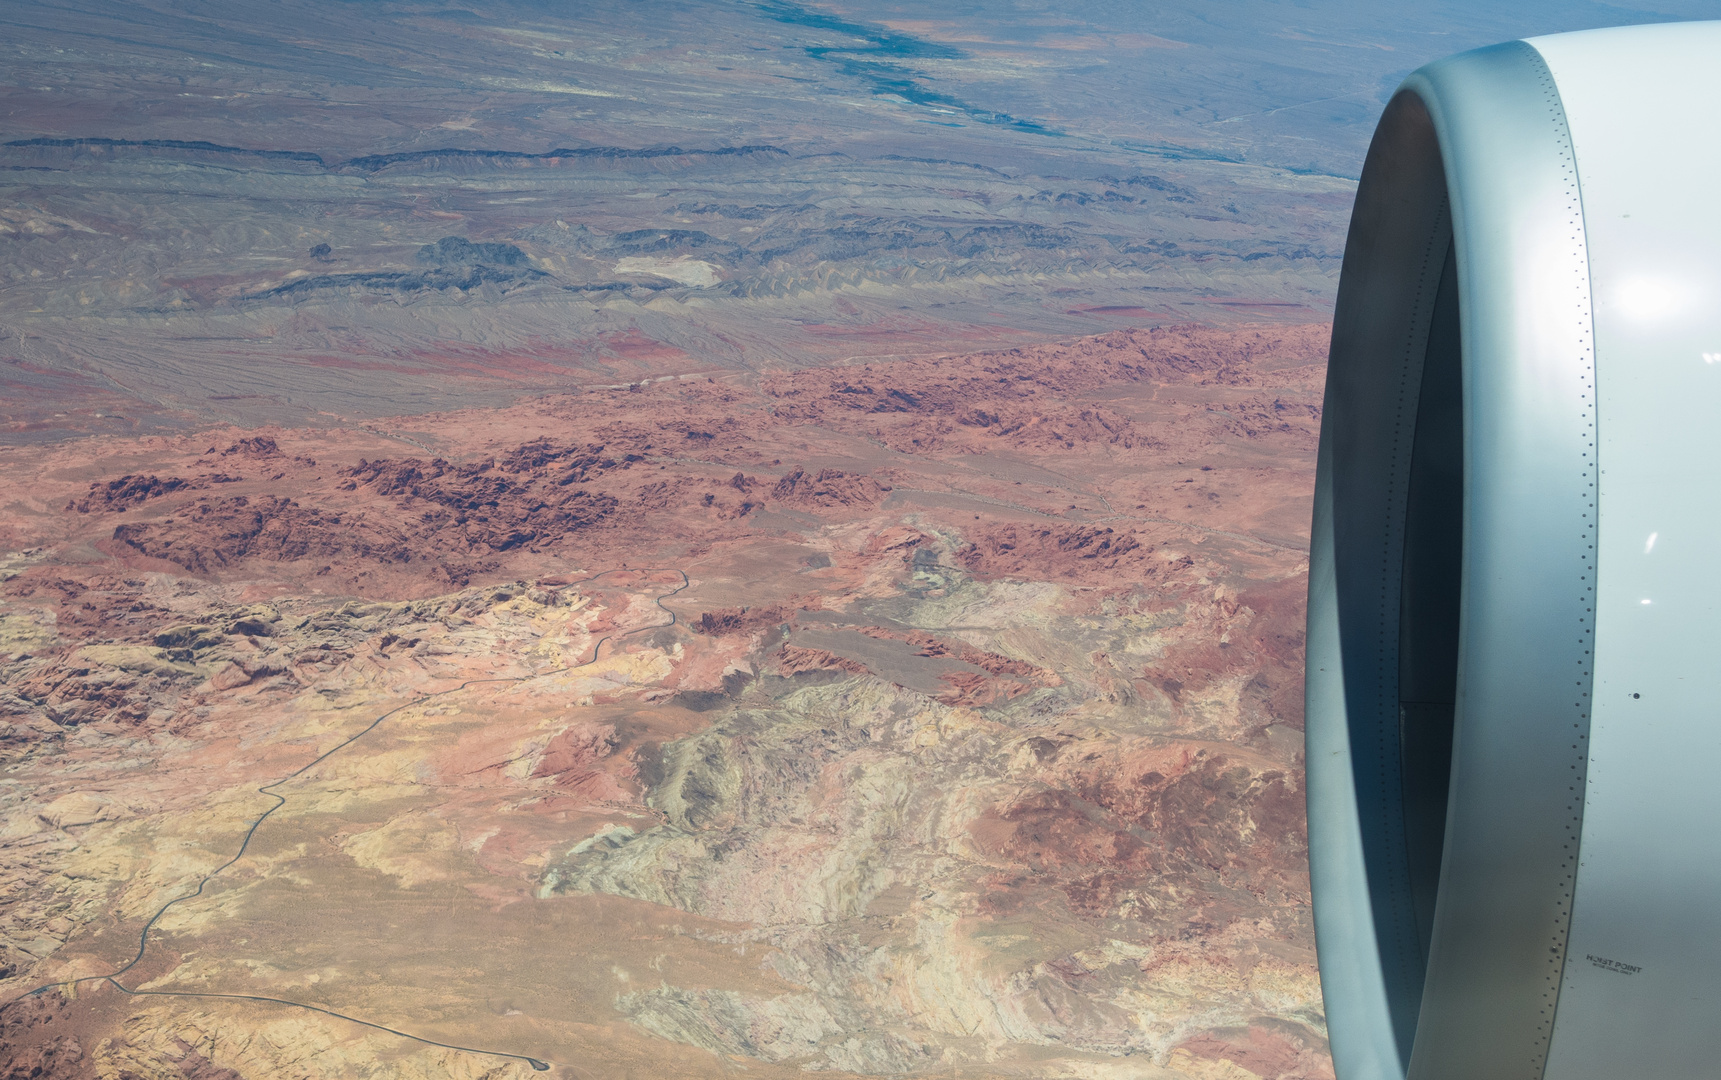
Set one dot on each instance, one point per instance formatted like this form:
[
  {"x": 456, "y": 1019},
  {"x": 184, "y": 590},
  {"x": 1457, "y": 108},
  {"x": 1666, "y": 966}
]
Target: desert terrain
[
  {"x": 923, "y": 717},
  {"x": 677, "y": 538},
  {"x": 319, "y": 214}
]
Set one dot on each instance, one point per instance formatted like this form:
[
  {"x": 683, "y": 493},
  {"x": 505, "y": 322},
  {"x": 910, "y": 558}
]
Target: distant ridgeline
[
  {"x": 442, "y": 156},
  {"x": 453, "y": 262},
  {"x": 922, "y": 246},
  {"x": 459, "y": 251},
  {"x": 376, "y": 162}
]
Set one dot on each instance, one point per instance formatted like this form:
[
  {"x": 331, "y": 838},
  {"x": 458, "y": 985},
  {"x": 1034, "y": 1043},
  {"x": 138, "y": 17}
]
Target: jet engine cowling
[{"x": 1515, "y": 576}]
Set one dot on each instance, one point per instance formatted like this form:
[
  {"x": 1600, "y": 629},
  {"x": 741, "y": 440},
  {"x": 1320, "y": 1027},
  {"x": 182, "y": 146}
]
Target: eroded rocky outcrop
[{"x": 723, "y": 712}]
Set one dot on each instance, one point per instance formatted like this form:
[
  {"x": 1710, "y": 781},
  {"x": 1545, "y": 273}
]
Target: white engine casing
[{"x": 1532, "y": 287}]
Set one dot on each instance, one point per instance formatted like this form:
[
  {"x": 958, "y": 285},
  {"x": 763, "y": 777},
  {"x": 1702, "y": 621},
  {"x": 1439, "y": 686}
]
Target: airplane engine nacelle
[{"x": 1514, "y": 743}]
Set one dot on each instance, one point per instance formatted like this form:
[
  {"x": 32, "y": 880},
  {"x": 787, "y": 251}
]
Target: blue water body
[
  {"x": 864, "y": 60},
  {"x": 1294, "y": 84}
]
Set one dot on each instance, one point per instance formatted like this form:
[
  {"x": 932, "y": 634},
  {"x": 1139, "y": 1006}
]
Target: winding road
[{"x": 112, "y": 977}]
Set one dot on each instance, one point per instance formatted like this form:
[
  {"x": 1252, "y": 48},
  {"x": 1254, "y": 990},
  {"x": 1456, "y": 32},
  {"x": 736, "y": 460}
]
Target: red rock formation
[
  {"x": 829, "y": 489},
  {"x": 1079, "y": 569},
  {"x": 794, "y": 659},
  {"x": 1062, "y": 551},
  {"x": 740, "y": 620},
  {"x": 216, "y": 533},
  {"x": 128, "y": 491}
]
